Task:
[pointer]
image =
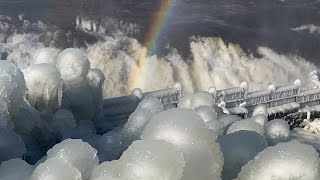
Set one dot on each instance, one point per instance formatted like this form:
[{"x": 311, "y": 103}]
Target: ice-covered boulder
[
  {"x": 11, "y": 145},
  {"x": 62, "y": 123},
  {"x": 151, "y": 103},
  {"x": 276, "y": 131},
  {"x": 260, "y": 109},
  {"x": 151, "y": 159},
  {"x": 15, "y": 169},
  {"x": 210, "y": 117},
  {"x": 201, "y": 98},
  {"x": 246, "y": 125},
  {"x": 227, "y": 120},
  {"x": 185, "y": 129},
  {"x": 46, "y": 55},
  {"x": 44, "y": 87},
  {"x": 96, "y": 79},
  {"x": 260, "y": 119},
  {"x": 107, "y": 169},
  {"x": 239, "y": 148},
  {"x": 285, "y": 161},
  {"x": 110, "y": 146},
  {"x": 184, "y": 102},
  {"x": 55, "y": 169},
  {"x": 78, "y": 153}
]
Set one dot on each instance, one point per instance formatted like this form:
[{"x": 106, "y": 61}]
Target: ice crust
[
  {"x": 285, "y": 161},
  {"x": 276, "y": 131}
]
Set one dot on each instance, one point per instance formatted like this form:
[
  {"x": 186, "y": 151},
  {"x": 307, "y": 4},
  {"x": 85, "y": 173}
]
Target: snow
[
  {"x": 285, "y": 161},
  {"x": 78, "y": 153},
  {"x": 276, "y": 131}
]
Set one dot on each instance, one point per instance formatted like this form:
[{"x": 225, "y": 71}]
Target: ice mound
[
  {"x": 62, "y": 122},
  {"x": 46, "y": 55},
  {"x": 276, "y": 131},
  {"x": 107, "y": 170},
  {"x": 96, "y": 79},
  {"x": 137, "y": 121},
  {"x": 15, "y": 169},
  {"x": 11, "y": 145},
  {"x": 55, "y": 169},
  {"x": 260, "y": 119},
  {"x": 73, "y": 65},
  {"x": 145, "y": 160},
  {"x": 109, "y": 146},
  {"x": 184, "y": 102},
  {"x": 246, "y": 125},
  {"x": 201, "y": 98},
  {"x": 151, "y": 103},
  {"x": 285, "y": 161},
  {"x": 260, "y": 109},
  {"x": 44, "y": 87},
  {"x": 210, "y": 117},
  {"x": 312, "y": 126},
  {"x": 78, "y": 153},
  {"x": 78, "y": 95},
  {"x": 239, "y": 148},
  {"x": 227, "y": 120},
  {"x": 188, "y": 133}
]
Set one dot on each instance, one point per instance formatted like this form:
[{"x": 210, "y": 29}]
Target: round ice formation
[
  {"x": 11, "y": 145},
  {"x": 260, "y": 119},
  {"x": 210, "y": 117},
  {"x": 106, "y": 170},
  {"x": 137, "y": 92},
  {"x": 260, "y": 109},
  {"x": 276, "y": 131},
  {"x": 78, "y": 153},
  {"x": 152, "y": 160},
  {"x": 184, "y": 102},
  {"x": 151, "y": 103},
  {"x": 96, "y": 79},
  {"x": 227, "y": 120},
  {"x": 44, "y": 87},
  {"x": 73, "y": 65},
  {"x": 207, "y": 113},
  {"x": 136, "y": 123},
  {"x": 285, "y": 161},
  {"x": 62, "y": 121},
  {"x": 201, "y": 98},
  {"x": 246, "y": 125},
  {"x": 46, "y": 55},
  {"x": 15, "y": 169},
  {"x": 56, "y": 169},
  {"x": 109, "y": 146},
  {"x": 238, "y": 148},
  {"x": 187, "y": 132}
]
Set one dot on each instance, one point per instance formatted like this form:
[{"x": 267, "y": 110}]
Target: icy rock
[
  {"x": 13, "y": 87},
  {"x": 107, "y": 169},
  {"x": 239, "y": 148},
  {"x": 78, "y": 153},
  {"x": 136, "y": 123},
  {"x": 145, "y": 160},
  {"x": 246, "y": 125},
  {"x": 56, "y": 169},
  {"x": 187, "y": 132},
  {"x": 62, "y": 123},
  {"x": 210, "y": 117},
  {"x": 276, "y": 131},
  {"x": 15, "y": 169},
  {"x": 27, "y": 118},
  {"x": 260, "y": 109},
  {"x": 11, "y": 145},
  {"x": 73, "y": 65},
  {"x": 96, "y": 79},
  {"x": 109, "y": 146},
  {"x": 184, "y": 102},
  {"x": 207, "y": 113},
  {"x": 201, "y": 98},
  {"x": 46, "y": 55},
  {"x": 151, "y": 103},
  {"x": 285, "y": 161},
  {"x": 227, "y": 120},
  {"x": 44, "y": 87},
  {"x": 260, "y": 119}
]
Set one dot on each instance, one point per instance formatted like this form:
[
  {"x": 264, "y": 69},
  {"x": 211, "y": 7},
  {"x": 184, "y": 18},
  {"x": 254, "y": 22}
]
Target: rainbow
[{"x": 159, "y": 20}]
